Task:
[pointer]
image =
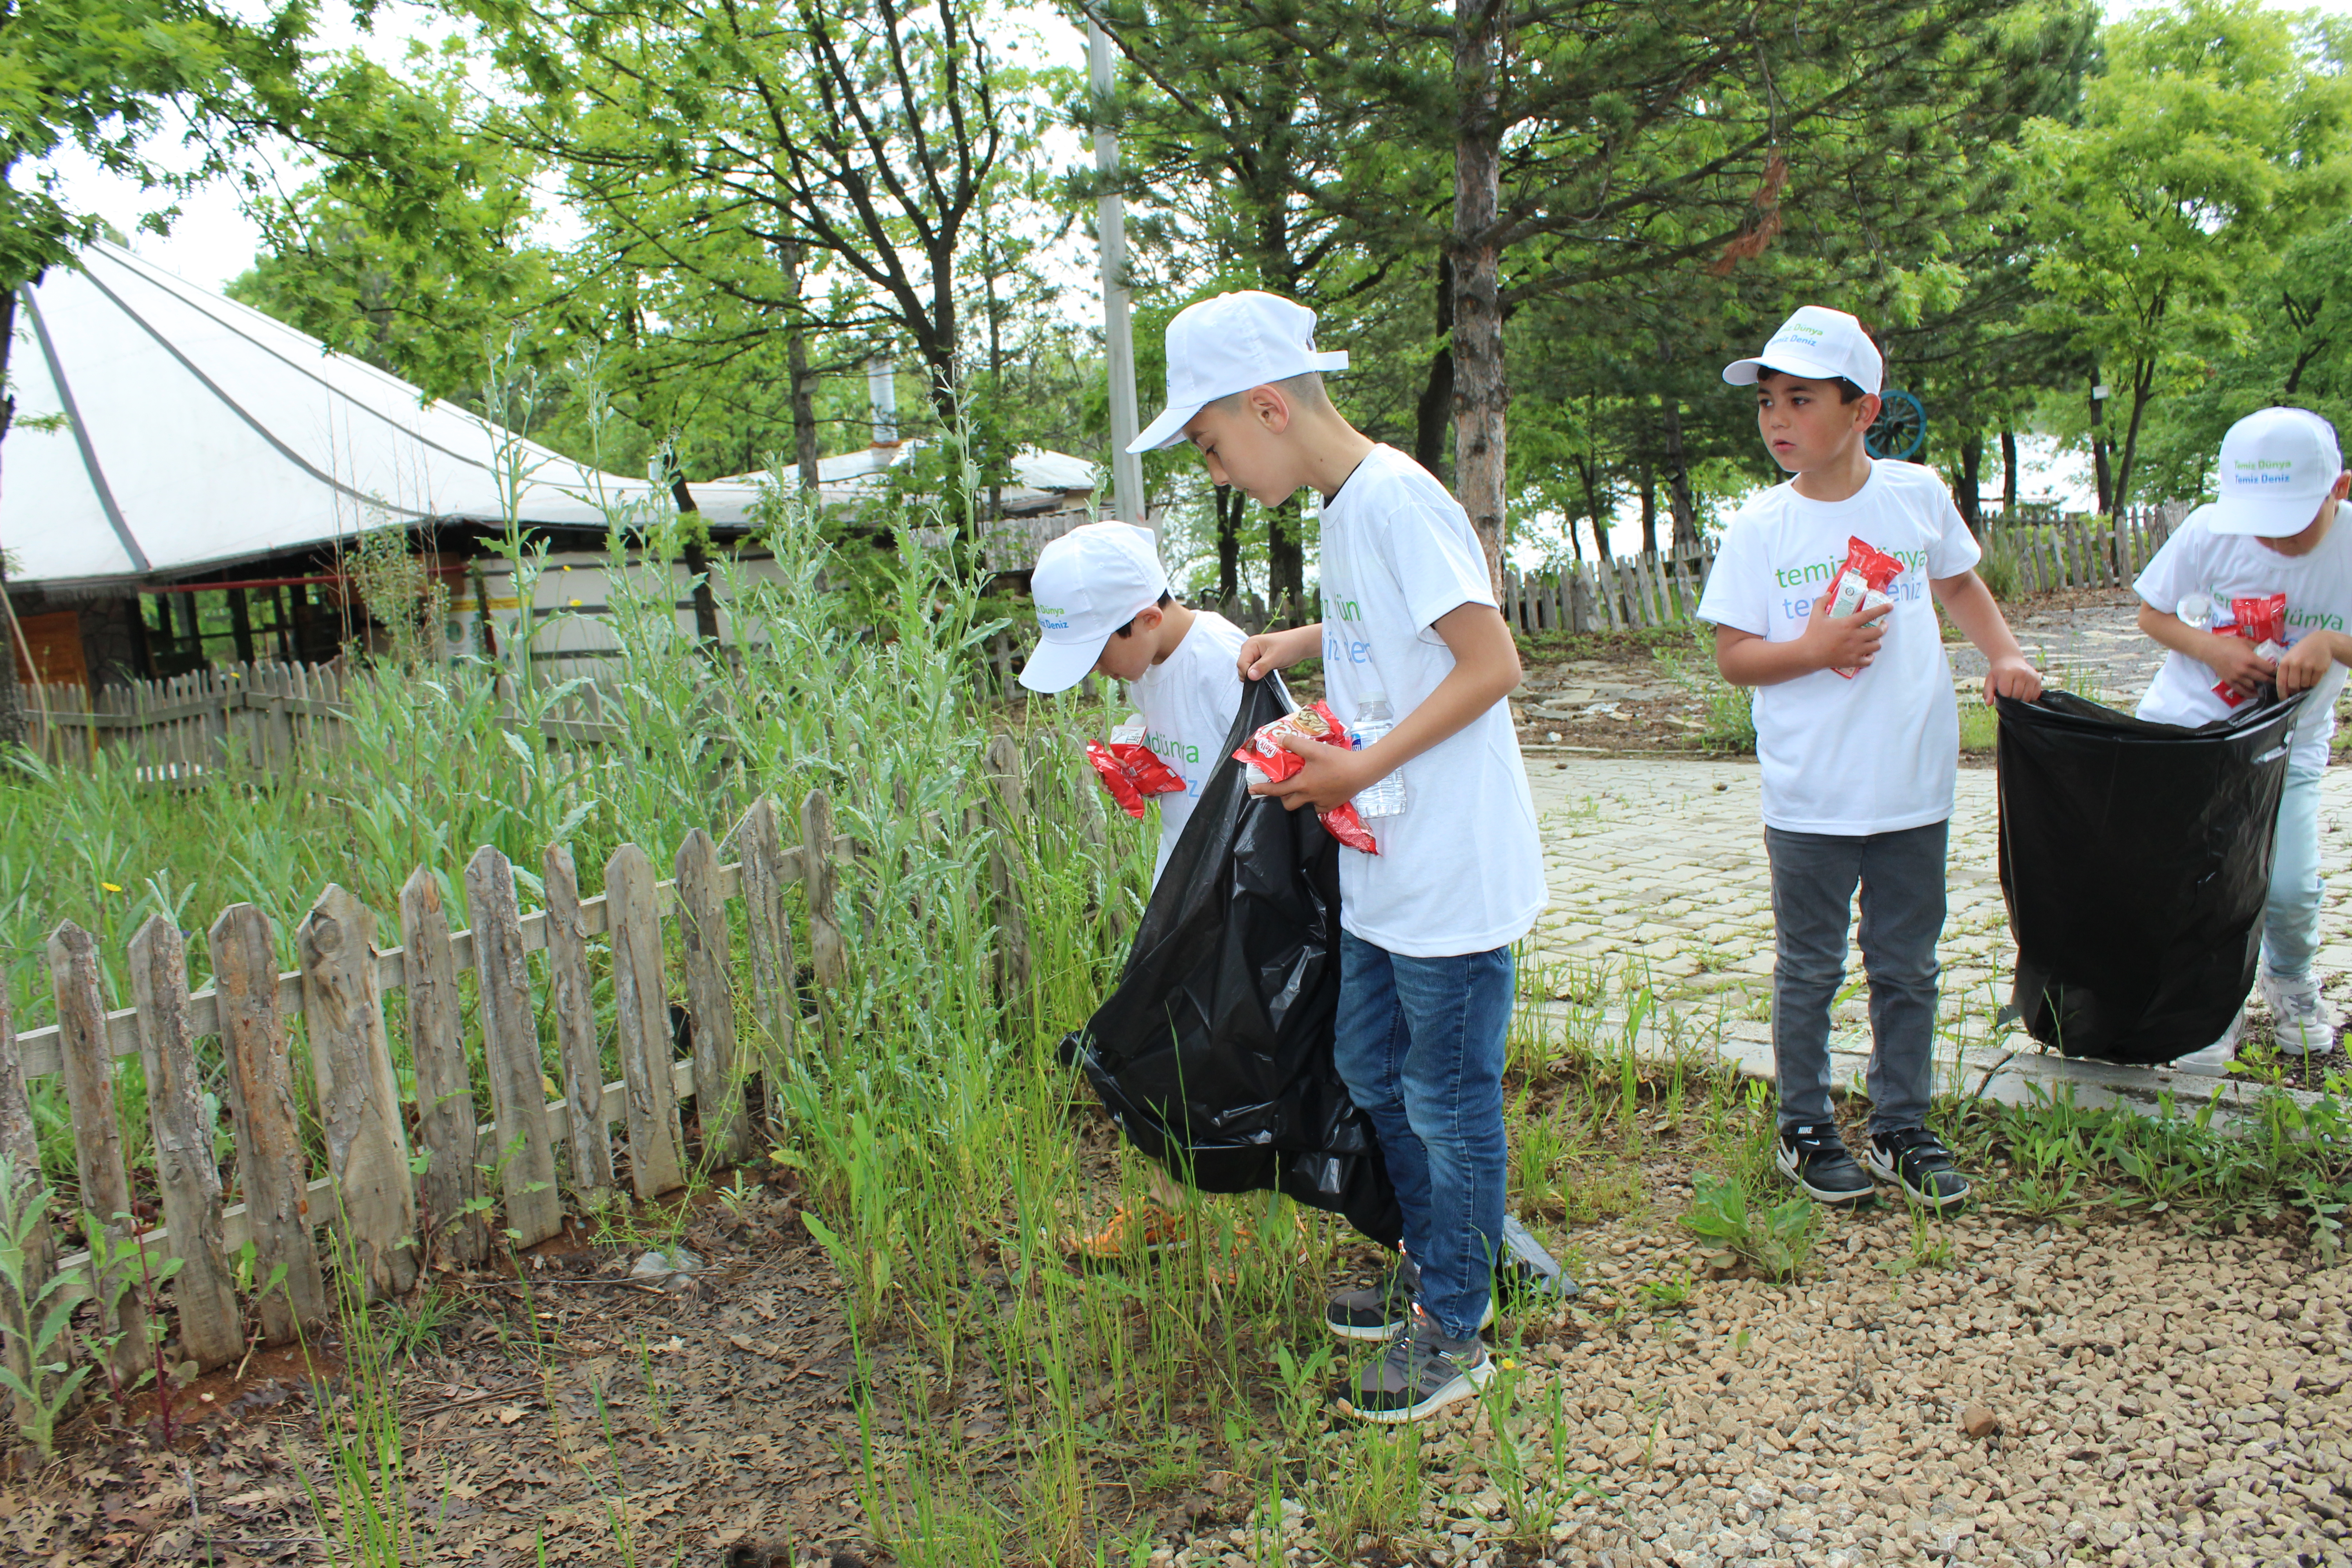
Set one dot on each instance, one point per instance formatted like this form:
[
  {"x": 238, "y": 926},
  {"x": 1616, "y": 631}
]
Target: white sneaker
[
  {"x": 2301, "y": 1019},
  {"x": 2214, "y": 1060}
]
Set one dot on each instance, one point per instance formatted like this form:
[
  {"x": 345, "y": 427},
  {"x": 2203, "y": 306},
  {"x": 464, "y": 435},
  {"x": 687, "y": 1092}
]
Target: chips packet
[
  {"x": 1861, "y": 584},
  {"x": 2261, "y": 621},
  {"x": 1130, "y": 770},
  {"x": 1270, "y": 761}
]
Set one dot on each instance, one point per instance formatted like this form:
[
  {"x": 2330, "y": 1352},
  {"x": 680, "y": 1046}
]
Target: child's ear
[
  {"x": 1271, "y": 409},
  {"x": 2343, "y": 486}
]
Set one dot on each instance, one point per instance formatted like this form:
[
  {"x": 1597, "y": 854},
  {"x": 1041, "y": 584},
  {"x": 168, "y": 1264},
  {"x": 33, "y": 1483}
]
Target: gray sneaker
[
  {"x": 1420, "y": 1373},
  {"x": 1381, "y": 1311}
]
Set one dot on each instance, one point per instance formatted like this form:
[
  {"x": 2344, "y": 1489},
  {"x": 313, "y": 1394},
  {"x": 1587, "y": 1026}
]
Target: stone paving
[{"x": 1658, "y": 874}]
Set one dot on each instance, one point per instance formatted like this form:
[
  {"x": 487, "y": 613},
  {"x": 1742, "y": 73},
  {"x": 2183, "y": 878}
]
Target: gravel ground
[{"x": 2124, "y": 1394}]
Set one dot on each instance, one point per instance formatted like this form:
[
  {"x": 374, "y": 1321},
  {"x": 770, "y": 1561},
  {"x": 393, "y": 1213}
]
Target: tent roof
[
  {"x": 1042, "y": 480},
  {"x": 197, "y": 432}
]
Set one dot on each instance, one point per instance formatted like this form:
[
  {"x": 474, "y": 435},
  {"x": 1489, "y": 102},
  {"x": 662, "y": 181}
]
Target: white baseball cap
[
  {"x": 1227, "y": 344},
  {"x": 1817, "y": 343},
  {"x": 2277, "y": 466},
  {"x": 1088, "y": 583}
]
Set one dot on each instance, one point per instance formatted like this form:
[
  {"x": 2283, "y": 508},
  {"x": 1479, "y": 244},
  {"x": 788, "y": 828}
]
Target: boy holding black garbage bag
[
  {"x": 2255, "y": 590},
  {"x": 1821, "y": 597},
  {"x": 1416, "y": 655}
]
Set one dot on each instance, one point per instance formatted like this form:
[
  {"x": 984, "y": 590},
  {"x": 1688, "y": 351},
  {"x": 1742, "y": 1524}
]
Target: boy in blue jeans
[
  {"x": 2272, "y": 531},
  {"x": 1857, "y": 733},
  {"x": 1425, "y": 987}
]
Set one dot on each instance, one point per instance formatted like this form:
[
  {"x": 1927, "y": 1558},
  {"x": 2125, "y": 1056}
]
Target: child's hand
[
  {"x": 2236, "y": 662},
  {"x": 1270, "y": 651},
  {"x": 2013, "y": 678},
  {"x": 1327, "y": 776},
  {"x": 1844, "y": 642},
  {"x": 2306, "y": 664}
]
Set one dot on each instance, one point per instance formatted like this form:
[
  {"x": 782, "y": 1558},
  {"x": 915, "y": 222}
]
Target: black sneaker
[
  {"x": 1916, "y": 1161},
  {"x": 1814, "y": 1157},
  {"x": 1419, "y": 1374},
  {"x": 1384, "y": 1310}
]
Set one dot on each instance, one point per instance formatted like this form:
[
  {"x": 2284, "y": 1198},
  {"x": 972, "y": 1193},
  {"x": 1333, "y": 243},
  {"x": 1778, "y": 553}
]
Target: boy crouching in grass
[
  {"x": 1103, "y": 607},
  {"x": 1857, "y": 733}
]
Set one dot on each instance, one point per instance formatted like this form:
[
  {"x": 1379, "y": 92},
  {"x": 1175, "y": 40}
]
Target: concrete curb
[{"x": 2002, "y": 1074}]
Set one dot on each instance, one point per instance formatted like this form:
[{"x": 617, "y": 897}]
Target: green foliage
[
  {"x": 2217, "y": 132},
  {"x": 1775, "y": 1239},
  {"x": 34, "y": 1320},
  {"x": 1726, "y": 712}
]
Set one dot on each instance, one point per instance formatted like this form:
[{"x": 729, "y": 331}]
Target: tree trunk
[
  {"x": 12, "y": 700},
  {"x": 698, "y": 562},
  {"x": 2099, "y": 443},
  {"x": 1678, "y": 486},
  {"x": 1481, "y": 394},
  {"x": 1230, "y": 503},
  {"x": 1435, "y": 409},
  {"x": 803, "y": 391},
  {"x": 1285, "y": 559},
  {"x": 1649, "y": 512},
  {"x": 2008, "y": 475},
  {"x": 2143, "y": 388},
  {"x": 1971, "y": 498}
]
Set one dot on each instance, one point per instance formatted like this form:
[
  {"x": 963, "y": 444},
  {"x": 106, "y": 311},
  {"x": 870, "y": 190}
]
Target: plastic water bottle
[{"x": 1373, "y": 720}]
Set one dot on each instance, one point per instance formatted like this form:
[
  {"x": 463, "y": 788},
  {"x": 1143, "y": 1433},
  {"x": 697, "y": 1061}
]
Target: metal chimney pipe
[{"x": 882, "y": 395}]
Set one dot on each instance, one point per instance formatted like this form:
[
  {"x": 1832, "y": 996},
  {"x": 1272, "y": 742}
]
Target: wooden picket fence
[
  {"x": 2079, "y": 551},
  {"x": 388, "y": 1223},
  {"x": 262, "y": 720},
  {"x": 1653, "y": 588}
]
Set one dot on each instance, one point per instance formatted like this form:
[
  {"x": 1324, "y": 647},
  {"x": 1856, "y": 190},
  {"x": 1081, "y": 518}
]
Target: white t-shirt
[
  {"x": 2318, "y": 587},
  {"x": 1460, "y": 868},
  {"x": 1880, "y": 753},
  {"x": 1188, "y": 702}
]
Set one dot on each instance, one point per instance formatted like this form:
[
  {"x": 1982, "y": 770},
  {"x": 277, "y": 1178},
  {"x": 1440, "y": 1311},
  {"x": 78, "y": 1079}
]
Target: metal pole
[{"x": 1110, "y": 224}]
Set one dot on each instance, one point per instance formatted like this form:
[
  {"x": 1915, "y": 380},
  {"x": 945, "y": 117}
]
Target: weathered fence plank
[
  {"x": 768, "y": 928},
  {"x": 21, "y": 1143},
  {"x": 212, "y": 1328},
  {"x": 269, "y": 1164},
  {"x": 572, "y": 999},
  {"x": 657, "y": 1163},
  {"x": 88, "y": 1072},
  {"x": 703, "y": 941},
  {"x": 451, "y": 1183},
  {"x": 525, "y": 1151},
  {"x": 359, "y": 1101},
  {"x": 1006, "y": 809},
  {"x": 822, "y": 883}
]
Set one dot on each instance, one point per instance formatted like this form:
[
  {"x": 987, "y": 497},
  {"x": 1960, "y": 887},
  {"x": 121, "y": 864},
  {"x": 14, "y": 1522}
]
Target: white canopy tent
[{"x": 187, "y": 432}]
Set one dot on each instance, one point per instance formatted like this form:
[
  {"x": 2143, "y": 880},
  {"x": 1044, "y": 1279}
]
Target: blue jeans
[
  {"x": 1420, "y": 1045},
  {"x": 2291, "y": 916}
]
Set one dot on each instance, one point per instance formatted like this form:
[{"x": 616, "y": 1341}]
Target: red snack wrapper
[
  {"x": 1862, "y": 583},
  {"x": 2261, "y": 622},
  {"x": 1113, "y": 773},
  {"x": 1145, "y": 770},
  {"x": 1264, "y": 754}
]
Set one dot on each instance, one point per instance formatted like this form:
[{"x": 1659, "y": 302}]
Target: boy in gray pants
[{"x": 1857, "y": 731}]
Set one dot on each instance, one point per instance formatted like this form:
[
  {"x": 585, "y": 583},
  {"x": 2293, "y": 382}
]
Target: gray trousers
[{"x": 1814, "y": 879}]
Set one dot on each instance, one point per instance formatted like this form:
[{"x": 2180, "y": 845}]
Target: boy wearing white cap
[
  {"x": 1426, "y": 924},
  {"x": 1857, "y": 733},
  {"x": 2272, "y": 531},
  {"x": 1103, "y": 607}
]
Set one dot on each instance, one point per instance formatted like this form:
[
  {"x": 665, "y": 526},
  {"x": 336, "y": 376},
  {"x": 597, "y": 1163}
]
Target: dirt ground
[{"x": 2117, "y": 1387}]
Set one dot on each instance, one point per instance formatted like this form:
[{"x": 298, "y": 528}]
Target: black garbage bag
[
  {"x": 1214, "y": 1053},
  {"x": 2136, "y": 859}
]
